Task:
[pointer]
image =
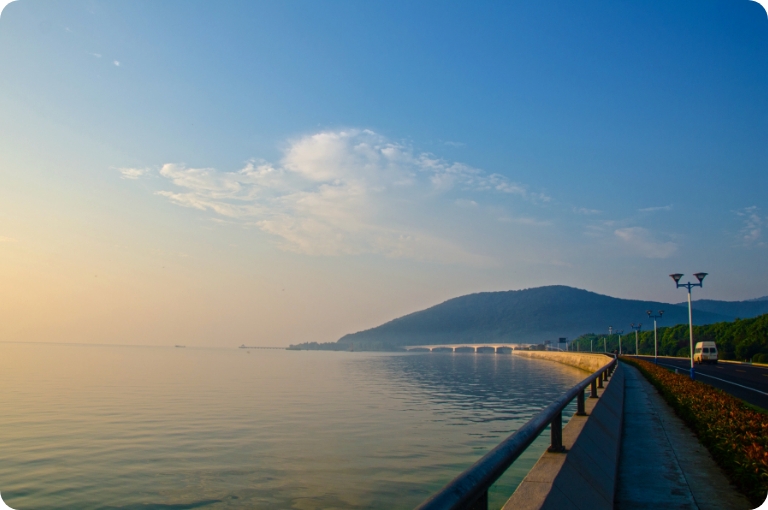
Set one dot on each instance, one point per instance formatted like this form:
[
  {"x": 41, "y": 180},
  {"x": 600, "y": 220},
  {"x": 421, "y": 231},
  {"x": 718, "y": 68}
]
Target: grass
[{"x": 735, "y": 433}]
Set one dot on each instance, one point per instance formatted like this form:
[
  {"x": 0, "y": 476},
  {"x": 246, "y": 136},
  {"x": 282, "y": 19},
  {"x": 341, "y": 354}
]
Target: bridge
[{"x": 483, "y": 347}]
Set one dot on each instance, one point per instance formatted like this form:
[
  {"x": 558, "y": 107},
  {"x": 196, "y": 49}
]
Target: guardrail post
[
  {"x": 580, "y": 411},
  {"x": 482, "y": 503},
  {"x": 556, "y": 434},
  {"x": 594, "y": 389},
  {"x": 600, "y": 380}
]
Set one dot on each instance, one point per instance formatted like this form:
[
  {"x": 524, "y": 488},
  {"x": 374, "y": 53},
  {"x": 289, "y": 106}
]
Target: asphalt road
[{"x": 742, "y": 380}]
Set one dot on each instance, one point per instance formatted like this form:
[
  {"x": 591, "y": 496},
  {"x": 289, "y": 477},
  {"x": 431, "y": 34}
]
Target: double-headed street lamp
[
  {"x": 655, "y": 340},
  {"x": 689, "y": 286},
  {"x": 637, "y": 330}
]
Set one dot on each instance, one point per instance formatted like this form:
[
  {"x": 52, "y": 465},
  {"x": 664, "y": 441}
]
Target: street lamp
[
  {"x": 610, "y": 332},
  {"x": 689, "y": 286},
  {"x": 637, "y": 330},
  {"x": 655, "y": 339}
]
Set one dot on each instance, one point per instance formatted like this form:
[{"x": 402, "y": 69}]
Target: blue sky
[{"x": 293, "y": 171}]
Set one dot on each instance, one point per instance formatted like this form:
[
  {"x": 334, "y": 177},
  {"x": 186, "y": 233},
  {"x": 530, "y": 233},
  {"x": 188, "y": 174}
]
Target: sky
[{"x": 276, "y": 172}]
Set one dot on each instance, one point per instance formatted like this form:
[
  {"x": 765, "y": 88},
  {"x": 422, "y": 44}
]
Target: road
[{"x": 742, "y": 380}]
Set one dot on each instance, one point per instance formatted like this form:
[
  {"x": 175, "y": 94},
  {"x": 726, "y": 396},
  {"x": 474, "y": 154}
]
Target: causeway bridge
[{"x": 482, "y": 347}]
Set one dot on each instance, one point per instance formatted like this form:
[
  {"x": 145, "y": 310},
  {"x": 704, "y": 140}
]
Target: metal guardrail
[{"x": 469, "y": 490}]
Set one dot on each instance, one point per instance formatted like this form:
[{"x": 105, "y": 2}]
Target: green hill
[
  {"x": 525, "y": 316},
  {"x": 740, "y": 339},
  {"x": 741, "y": 309}
]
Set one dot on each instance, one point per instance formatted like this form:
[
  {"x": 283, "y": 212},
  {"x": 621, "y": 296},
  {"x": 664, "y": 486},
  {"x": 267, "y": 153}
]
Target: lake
[{"x": 125, "y": 427}]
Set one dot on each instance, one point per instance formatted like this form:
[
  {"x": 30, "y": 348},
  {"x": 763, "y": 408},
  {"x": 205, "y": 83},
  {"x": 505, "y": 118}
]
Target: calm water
[{"x": 97, "y": 427}]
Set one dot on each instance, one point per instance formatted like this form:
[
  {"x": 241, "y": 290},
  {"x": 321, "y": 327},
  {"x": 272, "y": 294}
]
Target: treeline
[
  {"x": 742, "y": 339},
  {"x": 336, "y": 346}
]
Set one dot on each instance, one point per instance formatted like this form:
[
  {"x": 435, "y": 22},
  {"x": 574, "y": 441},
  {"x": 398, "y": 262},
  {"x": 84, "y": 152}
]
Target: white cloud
[
  {"x": 752, "y": 226},
  {"x": 343, "y": 192},
  {"x": 585, "y": 211},
  {"x": 116, "y": 62},
  {"x": 97, "y": 55},
  {"x": 642, "y": 242},
  {"x": 656, "y": 209},
  {"x": 132, "y": 173}
]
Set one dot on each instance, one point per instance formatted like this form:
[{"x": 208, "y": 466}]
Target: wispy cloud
[
  {"x": 4, "y": 239},
  {"x": 116, "y": 63},
  {"x": 656, "y": 209},
  {"x": 642, "y": 242},
  {"x": 344, "y": 192},
  {"x": 752, "y": 225},
  {"x": 585, "y": 211},
  {"x": 526, "y": 221},
  {"x": 133, "y": 173},
  {"x": 465, "y": 204}
]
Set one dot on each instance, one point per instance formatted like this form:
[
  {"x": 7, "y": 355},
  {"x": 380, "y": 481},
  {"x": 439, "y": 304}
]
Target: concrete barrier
[
  {"x": 590, "y": 362},
  {"x": 584, "y": 477}
]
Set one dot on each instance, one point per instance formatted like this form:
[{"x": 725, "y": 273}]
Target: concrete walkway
[{"x": 662, "y": 463}]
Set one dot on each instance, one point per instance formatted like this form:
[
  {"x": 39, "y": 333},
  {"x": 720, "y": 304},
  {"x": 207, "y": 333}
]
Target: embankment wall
[
  {"x": 586, "y": 361},
  {"x": 584, "y": 476}
]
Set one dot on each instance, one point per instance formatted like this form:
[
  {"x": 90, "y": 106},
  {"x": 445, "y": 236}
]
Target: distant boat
[{"x": 180, "y": 346}]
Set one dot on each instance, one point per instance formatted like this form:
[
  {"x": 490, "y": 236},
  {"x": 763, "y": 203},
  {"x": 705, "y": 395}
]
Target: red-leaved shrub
[{"x": 736, "y": 436}]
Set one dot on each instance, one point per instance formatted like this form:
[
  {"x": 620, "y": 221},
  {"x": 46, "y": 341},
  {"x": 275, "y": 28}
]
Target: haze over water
[{"x": 111, "y": 427}]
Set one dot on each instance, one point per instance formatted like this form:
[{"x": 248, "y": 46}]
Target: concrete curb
[{"x": 585, "y": 476}]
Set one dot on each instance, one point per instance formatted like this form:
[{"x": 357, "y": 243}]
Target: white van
[{"x": 705, "y": 352}]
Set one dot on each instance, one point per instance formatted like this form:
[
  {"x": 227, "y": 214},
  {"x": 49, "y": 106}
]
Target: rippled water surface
[{"x": 106, "y": 427}]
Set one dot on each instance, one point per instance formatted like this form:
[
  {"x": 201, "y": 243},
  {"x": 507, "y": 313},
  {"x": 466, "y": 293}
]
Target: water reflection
[
  {"x": 476, "y": 388},
  {"x": 96, "y": 427}
]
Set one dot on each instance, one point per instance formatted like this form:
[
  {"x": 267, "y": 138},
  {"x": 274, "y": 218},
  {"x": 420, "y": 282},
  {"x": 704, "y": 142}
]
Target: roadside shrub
[{"x": 735, "y": 435}]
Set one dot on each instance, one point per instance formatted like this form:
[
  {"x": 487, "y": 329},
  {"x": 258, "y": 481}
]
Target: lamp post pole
[
  {"x": 689, "y": 286},
  {"x": 637, "y": 330},
  {"x": 655, "y": 339}
]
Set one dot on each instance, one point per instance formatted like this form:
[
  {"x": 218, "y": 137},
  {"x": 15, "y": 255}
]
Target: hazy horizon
[{"x": 282, "y": 172}]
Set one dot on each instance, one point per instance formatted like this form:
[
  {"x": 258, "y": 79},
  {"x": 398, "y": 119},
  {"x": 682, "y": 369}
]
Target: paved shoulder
[{"x": 662, "y": 463}]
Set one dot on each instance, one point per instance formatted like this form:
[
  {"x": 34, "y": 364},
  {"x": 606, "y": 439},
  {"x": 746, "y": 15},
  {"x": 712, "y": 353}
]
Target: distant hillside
[
  {"x": 744, "y": 340},
  {"x": 741, "y": 309},
  {"x": 526, "y": 316}
]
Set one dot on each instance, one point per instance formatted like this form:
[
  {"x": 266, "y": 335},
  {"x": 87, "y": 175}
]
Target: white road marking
[{"x": 717, "y": 378}]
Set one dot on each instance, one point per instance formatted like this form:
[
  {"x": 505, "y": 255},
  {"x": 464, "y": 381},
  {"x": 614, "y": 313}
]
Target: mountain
[
  {"x": 525, "y": 316},
  {"x": 741, "y": 309}
]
